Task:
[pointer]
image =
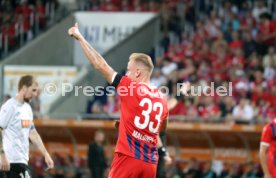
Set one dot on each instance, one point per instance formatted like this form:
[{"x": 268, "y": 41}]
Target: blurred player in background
[
  {"x": 143, "y": 113},
  {"x": 16, "y": 124},
  {"x": 96, "y": 158},
  {"x": 268, "y": 150}
]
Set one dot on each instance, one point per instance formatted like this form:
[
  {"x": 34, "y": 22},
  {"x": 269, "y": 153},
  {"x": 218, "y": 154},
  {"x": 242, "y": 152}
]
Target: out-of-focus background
[{"x": 202, "y": 41}]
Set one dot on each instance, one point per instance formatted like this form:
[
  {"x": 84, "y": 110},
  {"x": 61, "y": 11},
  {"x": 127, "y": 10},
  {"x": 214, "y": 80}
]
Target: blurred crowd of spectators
[
  {"x": 194, "y": 168},
  {"x": 21, "y": 20},
  {"x": 228, "y": 43},
  {"x": 68, "y": 167},
  {"x": 220, "y": 41},
  {"x": 65, "y": 167},
  {"x": 212, "y": 43},
  {"x": 122, "y": 5}
]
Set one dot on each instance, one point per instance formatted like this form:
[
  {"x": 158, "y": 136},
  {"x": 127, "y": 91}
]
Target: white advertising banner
[
  {"x": 103, "y": 30},
  {"x": 49, "y": 78}
]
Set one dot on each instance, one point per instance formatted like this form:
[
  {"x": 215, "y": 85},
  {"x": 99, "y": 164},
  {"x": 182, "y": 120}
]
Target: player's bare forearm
[
  {"x": 97, "y": 60},
  {"x": 4, "y": 163},
  {"x": 1, "y": 142},
  {"x": 37, "y": 141},
  {"x": 263, "y": 159},
  {"x": 92, "y": 55},
  {"x": 159, "y": 142}
]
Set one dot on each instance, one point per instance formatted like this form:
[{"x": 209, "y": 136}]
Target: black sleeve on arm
[
  {"x": 162, "y": 136},
  {"x": 162, "y": 151},
  {"x": 116, "y": 80}
]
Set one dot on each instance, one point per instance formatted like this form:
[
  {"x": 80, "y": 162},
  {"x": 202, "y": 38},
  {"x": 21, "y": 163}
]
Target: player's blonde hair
[{"x": 141, "y": 58}]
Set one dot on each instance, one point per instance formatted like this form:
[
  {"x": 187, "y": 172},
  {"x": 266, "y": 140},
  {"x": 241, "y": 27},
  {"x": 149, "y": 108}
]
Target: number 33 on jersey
[{"x": 143, "y": 111}]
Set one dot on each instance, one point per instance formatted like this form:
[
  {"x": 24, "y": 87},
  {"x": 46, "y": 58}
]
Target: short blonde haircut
[{"x": 141, "y": 58}]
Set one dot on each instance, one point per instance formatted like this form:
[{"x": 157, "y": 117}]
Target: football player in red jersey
[
  {"x": 143, "y": 112},
  {"x": 268, "y": 150}
]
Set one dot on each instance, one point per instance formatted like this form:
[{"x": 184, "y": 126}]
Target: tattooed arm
[
  {"x": 37, "y": 141},
  {"x": 92, "y": 55}
]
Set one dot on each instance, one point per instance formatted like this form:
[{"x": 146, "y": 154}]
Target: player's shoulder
[
  {"x": 270, "y": 125},
  {"x": 161, "y": 94},
  {"x": 150, "y": 87},
  {"x": 158, "y": 93},
  {"x": 146, "y": 89},
  {"x": 125, "y": 80},
  {"x": 10, "y": 103}
]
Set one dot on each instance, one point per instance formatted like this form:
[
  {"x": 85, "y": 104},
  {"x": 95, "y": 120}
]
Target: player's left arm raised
[
  {"x": 37, "y": 141},
  {"x": 92, "y": 55}
]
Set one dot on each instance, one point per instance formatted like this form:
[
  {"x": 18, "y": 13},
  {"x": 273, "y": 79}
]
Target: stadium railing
[{"x": 204, "y": 141}]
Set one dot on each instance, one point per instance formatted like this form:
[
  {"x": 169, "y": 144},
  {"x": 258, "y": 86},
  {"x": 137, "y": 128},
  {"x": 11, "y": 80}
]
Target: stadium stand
[
  {"x": 219, "y": 42},
  {"x": 203, "y": 42},
  {"x": 21, "y": 21},
  {"x": 213, "y": 43}
]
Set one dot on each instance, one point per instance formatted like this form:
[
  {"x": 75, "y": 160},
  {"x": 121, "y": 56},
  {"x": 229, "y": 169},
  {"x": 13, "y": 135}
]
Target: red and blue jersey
[
  {"x": 269, "y": 139},
  {"x": 143, "y": 110}
]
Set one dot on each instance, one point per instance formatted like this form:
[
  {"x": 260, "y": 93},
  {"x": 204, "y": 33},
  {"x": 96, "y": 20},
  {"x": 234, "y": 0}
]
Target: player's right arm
[
  {"x": 37, "y": 141},
  {"x": 164, "y": 125},
  {"x": 92, "y": 55},
  {"x": 263, "y": 160},
  {"x": 265, "y": 143},
  {"x": 6, "y": 113},
  {"x": 4, "y": 163},
  {"x": 162, "y": 151}
]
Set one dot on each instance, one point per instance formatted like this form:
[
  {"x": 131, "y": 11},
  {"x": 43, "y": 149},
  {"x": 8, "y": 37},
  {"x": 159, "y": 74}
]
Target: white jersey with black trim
[{"x": 16, "y": 120}]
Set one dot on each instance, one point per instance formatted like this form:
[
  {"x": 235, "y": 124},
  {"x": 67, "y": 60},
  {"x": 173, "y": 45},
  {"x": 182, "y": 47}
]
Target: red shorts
[{"x": 124, "y": 166}]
